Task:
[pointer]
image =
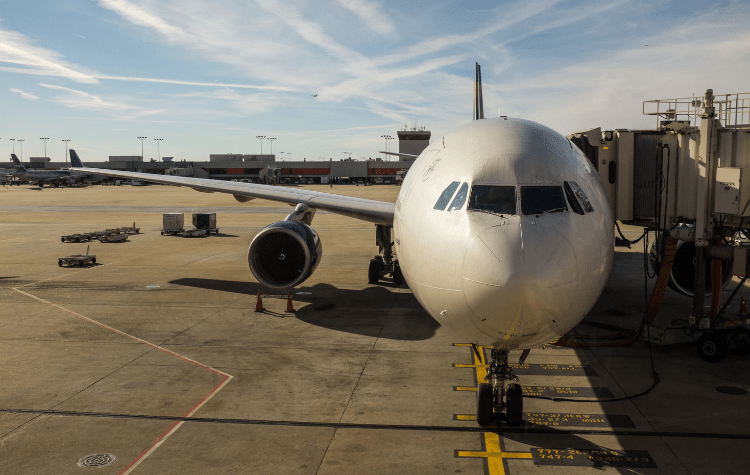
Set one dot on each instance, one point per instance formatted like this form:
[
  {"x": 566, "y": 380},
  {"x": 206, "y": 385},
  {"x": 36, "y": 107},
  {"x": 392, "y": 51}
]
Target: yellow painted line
[
  {"x": 494, "y": 454},
  {"x": 466, "y": 417},
  {"x": 465, "y": 388}
]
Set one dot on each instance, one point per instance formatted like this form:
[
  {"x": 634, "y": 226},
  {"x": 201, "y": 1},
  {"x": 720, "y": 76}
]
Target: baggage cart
[
  {"x": 173, "y": 223},
  {"x": 205, "y": 221},
  {"x": 76, "y": 238},
  {"x": 113, "y": 238},
  {"x": 130, "y": 230},
  {"x": 77, "y": 259}
]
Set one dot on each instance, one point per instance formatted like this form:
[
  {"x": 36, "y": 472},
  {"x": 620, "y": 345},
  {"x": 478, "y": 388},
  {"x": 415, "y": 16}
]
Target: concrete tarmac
[{"x": 155, "y": 359}]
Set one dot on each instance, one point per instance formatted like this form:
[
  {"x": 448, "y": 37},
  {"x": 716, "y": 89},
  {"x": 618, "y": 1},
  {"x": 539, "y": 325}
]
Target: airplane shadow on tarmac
[{"x": 361, "y": 312}]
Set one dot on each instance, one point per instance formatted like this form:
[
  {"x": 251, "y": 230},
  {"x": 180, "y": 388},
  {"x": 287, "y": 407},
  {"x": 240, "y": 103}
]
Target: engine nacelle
[
  {"x": 284, "y": 254},
  {"x": 682, "y": 277}
]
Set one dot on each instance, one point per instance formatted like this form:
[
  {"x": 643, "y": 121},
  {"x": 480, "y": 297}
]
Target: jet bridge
[{"x": 688, "y": 177}]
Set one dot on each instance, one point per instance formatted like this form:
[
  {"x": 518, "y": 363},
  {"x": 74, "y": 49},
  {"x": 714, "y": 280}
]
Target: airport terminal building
[{"x": 253, "y": 168}]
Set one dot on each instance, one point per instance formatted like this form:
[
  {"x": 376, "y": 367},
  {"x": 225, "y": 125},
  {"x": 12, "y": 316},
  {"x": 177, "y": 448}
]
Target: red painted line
[
  {"x": 164, "y": 434},
  {"x": 154, "y": 445},
  {"x": 205, "y": 398}
]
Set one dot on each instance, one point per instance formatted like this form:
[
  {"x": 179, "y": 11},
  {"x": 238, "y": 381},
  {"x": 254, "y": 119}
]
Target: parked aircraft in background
[
  {"x": 42, "y": 177},
  {"x": 501, "y": 229}
]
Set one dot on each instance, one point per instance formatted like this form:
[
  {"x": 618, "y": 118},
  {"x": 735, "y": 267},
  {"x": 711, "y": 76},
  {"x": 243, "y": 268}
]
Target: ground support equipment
[
  {"x": 113, "y": 238},
  {"x": 77, "y": 259},
  {"x": 76, "y": 238}
]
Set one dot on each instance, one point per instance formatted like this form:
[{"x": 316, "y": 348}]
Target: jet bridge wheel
[
  {"x": 373, "y": 273},
  {"x": 712, "y": 347},
  {"x": 514, "y": 405},
  {"x": 485, "y": 404}
]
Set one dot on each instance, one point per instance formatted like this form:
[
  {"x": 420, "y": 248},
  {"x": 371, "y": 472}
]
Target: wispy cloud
[
  {"x": 83, "y": 100},
  {"x": 194, "y": 83},
  {"x": 26, "y": 95},
  {"x": 371, "y": 13},
  {"x": 18, "y": 50},
  {"x": 139, "y": 16}
]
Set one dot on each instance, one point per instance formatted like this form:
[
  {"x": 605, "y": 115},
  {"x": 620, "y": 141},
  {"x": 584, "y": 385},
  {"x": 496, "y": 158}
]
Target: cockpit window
[
  {"x": 493, "y": 199},
  {"x": 542, "y": 199},
  {"x": 582, "y": 198},
  {"x": 460, "y": 199},
  {"x": 575, "y": 205},
  {"x": 446, "y": 196}
]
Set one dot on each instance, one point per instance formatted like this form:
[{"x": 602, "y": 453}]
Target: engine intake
[
  {"x": 682, "y": 277},
  {"x": 284, "y": 254}
]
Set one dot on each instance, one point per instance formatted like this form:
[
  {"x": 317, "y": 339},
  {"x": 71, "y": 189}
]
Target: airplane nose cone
[{"x": 516, "y": 278}]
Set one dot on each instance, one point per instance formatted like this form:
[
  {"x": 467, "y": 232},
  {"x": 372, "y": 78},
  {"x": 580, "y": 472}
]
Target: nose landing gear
[
  {"x": 380, "y": 266},
  {"x": 494, "y": 397}
]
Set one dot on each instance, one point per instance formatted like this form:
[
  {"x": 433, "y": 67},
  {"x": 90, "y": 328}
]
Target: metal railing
[{"x": 733, "y": 110}]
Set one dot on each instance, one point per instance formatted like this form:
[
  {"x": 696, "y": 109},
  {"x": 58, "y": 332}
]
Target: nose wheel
[{"x": 494, "y": 397}]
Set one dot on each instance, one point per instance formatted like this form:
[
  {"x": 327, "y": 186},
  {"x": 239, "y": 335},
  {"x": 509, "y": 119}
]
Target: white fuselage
[{"x": 511, "y": 280}]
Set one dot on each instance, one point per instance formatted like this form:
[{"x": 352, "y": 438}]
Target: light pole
[
  {"x": 288, "y": 158},
  {"x": 387, "y": 145},
  {"x": 260, "y": 137},
  {"x": 282, "y": 156},
  {"x": 66, "y": 149},
  {"x": 45, "y": 145},
  {"x": 14, "y": 145},
  {"x": 20, "y": 142},
  {"x": 141, "y": 139},
  {"x": 385, "y": 155},
  {"x": 271, "y": 139},
  {"x": 158, "y": 151}
]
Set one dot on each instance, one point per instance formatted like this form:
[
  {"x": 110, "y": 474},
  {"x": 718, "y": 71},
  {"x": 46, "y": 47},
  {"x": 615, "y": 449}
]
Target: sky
[{"x": 210, "y": 76}]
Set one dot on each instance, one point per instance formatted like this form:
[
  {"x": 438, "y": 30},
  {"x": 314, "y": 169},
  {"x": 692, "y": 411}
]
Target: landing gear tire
[
  {"x": 373, "y": 273},
  {"x": 712, "y": 347},
  {"x": 485, "y": 404},
  {"x": 514, "y": 405},
  {"x": 398, "y": 276}
]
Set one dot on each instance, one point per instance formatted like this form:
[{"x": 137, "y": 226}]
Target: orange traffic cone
[
  {"x": 259, "y": 304},
  {"x": 289, "y": 306},
  {"x": 743, "y": 306}
]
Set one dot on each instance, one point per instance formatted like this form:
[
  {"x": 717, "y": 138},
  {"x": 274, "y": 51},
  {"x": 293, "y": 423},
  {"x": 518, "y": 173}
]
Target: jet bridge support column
[{"x": 707, "y": 164}]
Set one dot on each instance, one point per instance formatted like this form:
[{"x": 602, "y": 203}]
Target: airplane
[
  {"x": 40, "y": 177},
  {"x": 501, "y": 229}
]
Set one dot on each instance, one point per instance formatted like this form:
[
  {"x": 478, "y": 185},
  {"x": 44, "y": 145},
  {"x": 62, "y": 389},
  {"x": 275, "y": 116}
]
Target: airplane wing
[
  {"x": 378, "y": 212},
  {"x": 405, "y": 155}
]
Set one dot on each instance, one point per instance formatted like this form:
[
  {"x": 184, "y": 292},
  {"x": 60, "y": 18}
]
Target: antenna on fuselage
[{"x": 478, "y": 102}]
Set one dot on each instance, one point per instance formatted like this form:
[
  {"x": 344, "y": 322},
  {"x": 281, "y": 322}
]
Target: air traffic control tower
[{"x": 412, "y": 141}]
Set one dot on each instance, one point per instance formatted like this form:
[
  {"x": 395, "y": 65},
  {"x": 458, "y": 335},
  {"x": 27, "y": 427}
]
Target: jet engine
[
  {"x": 284, "y": 254},
  {"x": 682, "y": 277}
]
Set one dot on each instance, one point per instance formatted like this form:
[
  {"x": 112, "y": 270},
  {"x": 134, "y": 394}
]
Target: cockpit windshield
[
  {"x": 493, "y": 199},
  {"x": 542, "y": 199}
]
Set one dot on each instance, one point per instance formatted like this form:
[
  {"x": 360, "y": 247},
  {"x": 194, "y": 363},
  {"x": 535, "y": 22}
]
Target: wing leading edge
[{"x": 378, "y": 212}]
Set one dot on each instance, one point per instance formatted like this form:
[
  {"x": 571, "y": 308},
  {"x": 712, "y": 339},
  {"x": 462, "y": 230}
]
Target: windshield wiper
[
  {"x": 495, "y": 213},
  {"x": 550, "y": 211}
]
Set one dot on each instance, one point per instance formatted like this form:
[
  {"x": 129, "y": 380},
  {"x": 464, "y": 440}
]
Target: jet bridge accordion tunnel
[{"x": 690, "y": 175}]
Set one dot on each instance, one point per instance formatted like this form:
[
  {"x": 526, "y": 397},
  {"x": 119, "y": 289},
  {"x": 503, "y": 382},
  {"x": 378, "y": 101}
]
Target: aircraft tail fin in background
[
  {"x": 75, "y": 162},
  {"x": 17, "y": 162},
  {"x": 478, "y": 101}
]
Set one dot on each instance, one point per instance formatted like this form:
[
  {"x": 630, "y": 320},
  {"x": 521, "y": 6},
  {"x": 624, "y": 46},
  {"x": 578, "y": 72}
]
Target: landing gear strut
[
  {"x": 381, "y": 266},
  {"x": 494, "y": 397}
]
